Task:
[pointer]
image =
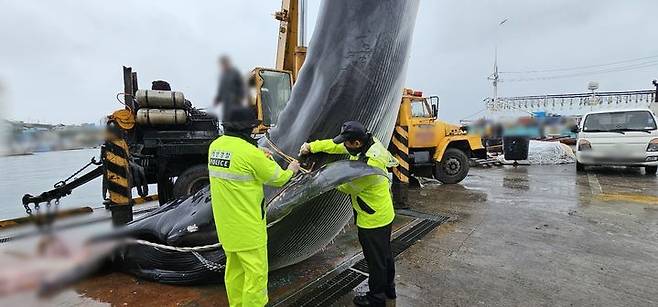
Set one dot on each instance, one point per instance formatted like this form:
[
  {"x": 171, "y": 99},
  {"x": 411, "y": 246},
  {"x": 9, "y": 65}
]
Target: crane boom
[{"x": 290, "y": 54}]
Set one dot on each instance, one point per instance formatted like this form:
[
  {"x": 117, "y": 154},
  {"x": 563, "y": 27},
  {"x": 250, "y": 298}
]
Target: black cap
[
  {"x": 240, "y": 118},
  {"x": 351, "y": 131}
]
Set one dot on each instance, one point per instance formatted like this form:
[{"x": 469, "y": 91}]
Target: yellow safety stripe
[
  {"x": 402, "y": 162},
  {"x": 402, "y": 132},
  {"x": 403, "y": 178},
  {"x": 117, "y": 179},
  {"x": 120, "y": 161},
  {"x": 230, "y": 176},
  {"x": 399, "y": 145}
]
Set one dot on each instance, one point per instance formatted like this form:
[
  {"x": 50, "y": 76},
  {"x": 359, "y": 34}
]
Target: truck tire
[
  {"x": 453, "y": 168},
  {"x": 650, "y": 170},
  {"x": 191, "y": 180},
  {"x": 580, "y": 167}
]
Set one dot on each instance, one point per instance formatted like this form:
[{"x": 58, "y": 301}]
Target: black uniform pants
[{"x": 376, "y": 245}]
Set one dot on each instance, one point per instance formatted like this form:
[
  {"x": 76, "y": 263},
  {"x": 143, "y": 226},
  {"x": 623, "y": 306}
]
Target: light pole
[{"x": 495, "y": 77}]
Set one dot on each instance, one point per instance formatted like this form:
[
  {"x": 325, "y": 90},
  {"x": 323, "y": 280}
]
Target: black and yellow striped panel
[
  {"x": 115, "y": 160},
  {"x": 400, "y": 148}
]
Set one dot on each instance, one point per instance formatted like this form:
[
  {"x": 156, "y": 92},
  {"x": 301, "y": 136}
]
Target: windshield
[
  {"x": 274, "y": 93},
  {"x": 420, "y": 109},
  {"x": 619, "y": 121}
]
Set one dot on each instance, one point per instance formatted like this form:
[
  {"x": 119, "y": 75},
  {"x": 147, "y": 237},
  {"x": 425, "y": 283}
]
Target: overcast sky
[{"x": 60, "y": 61}]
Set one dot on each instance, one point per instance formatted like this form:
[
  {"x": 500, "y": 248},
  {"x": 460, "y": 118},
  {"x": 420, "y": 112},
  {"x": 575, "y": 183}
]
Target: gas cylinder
[
  {"x": 160, "y": 99},
  {"x": 158, "y": 117}
]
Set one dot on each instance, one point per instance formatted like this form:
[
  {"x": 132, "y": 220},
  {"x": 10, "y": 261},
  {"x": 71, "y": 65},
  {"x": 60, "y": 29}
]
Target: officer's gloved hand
[
  {"x": 305, "y": 149},
  {"x": 294, "y": 167}
]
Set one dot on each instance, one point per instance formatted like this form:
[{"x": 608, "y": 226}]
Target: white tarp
[{"x": 546, "y": 153}]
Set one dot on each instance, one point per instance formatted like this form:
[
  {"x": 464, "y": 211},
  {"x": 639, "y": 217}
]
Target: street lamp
[{"x": 495, "y": 77}]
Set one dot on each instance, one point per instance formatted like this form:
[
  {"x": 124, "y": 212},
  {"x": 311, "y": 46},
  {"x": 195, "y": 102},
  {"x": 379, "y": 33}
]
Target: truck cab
[{"x": 429, "y": 147}]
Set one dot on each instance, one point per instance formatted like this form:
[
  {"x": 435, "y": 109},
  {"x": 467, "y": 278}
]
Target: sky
[{"x": 60, "y": 61}]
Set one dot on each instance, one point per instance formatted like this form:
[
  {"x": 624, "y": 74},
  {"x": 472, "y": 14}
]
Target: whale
[{"x": 355, "y": 69}]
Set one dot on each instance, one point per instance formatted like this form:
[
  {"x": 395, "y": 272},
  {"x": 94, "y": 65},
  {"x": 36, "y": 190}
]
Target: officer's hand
[
  {"x": 305, "y": 149},
  {"x": 294, "y": 167}
]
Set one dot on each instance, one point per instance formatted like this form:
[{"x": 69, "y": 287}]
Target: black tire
[
  {"x": 453, "y": 168},
  {"x": 580, "y": 167},
  {"x": 650, "y": 170},
  {"x": 191, "y": 180}
]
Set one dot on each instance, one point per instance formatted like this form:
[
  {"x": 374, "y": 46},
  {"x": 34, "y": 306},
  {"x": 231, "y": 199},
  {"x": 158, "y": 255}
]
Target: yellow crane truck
[
  {"x": 429, "y": 147},
  {"x": 160, "y": 138}
]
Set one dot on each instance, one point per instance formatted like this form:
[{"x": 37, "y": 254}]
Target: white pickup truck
[{"x": 618, "y": 137}]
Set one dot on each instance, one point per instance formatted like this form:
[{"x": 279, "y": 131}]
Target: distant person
[{"x": 231, "y": 90}]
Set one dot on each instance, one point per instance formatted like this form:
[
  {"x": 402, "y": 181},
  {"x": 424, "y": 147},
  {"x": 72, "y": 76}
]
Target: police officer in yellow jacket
[
  {"x": 372, "y": 203},
  {"x": 238, "y": 170}
]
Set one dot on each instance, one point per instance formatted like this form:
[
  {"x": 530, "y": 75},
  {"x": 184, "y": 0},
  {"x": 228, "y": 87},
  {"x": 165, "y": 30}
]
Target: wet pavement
[
  {"x": 536, "y": 236},
  {"x": 525, "y": 236}
]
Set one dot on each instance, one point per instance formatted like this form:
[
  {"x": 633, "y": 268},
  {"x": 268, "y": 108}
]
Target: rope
[
  {"x": 283, "y": 155},
  {"x": 192, "y": 249},
  {"x": 210, "y": 265}
]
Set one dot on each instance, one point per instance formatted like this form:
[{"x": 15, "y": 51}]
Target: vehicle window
[
  {"x": 275, "y": 93},
  {"x": 420, "y": 109},
  {"x": 619, "y": 121}
]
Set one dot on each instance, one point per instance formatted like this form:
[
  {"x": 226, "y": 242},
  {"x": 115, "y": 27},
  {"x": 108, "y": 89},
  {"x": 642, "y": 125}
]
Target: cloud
[{"x": 61, "y": 60}]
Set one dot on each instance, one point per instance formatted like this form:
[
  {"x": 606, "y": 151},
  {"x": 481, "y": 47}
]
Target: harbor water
[{"x": 34, "y": 174}]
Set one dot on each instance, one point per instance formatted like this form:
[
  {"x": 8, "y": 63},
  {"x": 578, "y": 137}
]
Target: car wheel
[
  {"x": 580, "y": 167},
  {"x": 191, "y": 181},
  {"x": 453, "y": 168},
  {"x": 650, "y": 170}
]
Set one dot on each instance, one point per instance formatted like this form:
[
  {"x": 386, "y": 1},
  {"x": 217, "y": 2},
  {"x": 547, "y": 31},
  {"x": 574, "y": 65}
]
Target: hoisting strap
[{"x": 283, "y": 155}]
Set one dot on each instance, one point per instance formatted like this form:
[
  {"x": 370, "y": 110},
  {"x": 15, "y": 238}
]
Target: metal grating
[
  {"x": 325, "y": 293},
  {"x": 331, "y": 290},
  {"x": 406, "y": 239}
]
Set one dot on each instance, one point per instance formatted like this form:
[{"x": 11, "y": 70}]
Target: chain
[
  {"x": 28, "y": 210},
  {"x": 63, "y": 182}
]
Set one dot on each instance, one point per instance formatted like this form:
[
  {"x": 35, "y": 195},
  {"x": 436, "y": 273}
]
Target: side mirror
[
  {"x": 575, "y": 129},
  {"x": 435, "y": 111}
]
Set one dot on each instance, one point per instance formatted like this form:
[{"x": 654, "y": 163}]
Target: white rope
[{"x": 174, "y": 248}]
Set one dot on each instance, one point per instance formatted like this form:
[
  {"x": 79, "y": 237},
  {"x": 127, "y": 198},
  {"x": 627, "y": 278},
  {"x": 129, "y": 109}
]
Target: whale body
[{"x": 354, "y": 70}]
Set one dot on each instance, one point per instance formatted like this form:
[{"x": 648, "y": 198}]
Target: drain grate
[
  {"x": 331, "y": 290},
  {"x": 325, "y": 293},
  {"x": 406, "y": 239}
]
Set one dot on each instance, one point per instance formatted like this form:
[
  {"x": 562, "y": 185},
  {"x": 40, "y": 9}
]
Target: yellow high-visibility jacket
[
  {"x": 238, "y": 170},
  {"x": 371, "y": 196}
]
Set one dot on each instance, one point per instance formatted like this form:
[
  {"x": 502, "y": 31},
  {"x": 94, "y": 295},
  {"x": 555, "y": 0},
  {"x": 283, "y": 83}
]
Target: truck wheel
[
  {"x": 580, "y": 167},
  {"x": 191, "y": 180},
  {"x": 650, "y": 170},
  {"x": 453, "y": 168}
]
